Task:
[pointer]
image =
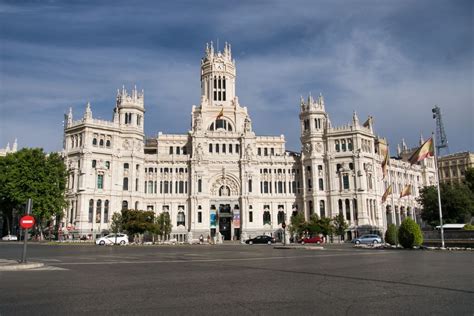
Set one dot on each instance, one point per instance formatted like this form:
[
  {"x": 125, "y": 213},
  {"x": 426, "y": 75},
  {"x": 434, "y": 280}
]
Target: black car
[{"x": 262, "y": 239}]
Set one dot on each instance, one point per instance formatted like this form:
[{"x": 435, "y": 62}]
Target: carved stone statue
[{"x": 247, "y": 125}]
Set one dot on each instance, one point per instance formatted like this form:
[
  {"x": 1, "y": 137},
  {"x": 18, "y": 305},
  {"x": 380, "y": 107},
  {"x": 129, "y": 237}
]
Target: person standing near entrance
[{"x": 201, "y": 239}]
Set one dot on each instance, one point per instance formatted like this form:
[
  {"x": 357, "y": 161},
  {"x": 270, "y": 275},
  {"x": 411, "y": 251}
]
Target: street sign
[{"x": 27, "y": 222}]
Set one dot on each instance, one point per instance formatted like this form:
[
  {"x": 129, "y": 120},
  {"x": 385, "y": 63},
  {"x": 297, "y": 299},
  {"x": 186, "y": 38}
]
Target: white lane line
[{"x": 217, "y": 260}]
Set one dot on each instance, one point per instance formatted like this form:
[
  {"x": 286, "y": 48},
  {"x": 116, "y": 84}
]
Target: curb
[
  {"x": 300, "y": 247},
  {"x": 21, "y": 266}
]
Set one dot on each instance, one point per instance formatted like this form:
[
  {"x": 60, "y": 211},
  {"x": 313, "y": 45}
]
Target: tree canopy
[
  {"x": 457, "y": 202},
  {"x": 31, "y": 173}
]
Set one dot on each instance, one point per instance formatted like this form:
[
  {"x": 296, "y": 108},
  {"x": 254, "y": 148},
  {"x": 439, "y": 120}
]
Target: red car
[{"x": 312, "y": 240}]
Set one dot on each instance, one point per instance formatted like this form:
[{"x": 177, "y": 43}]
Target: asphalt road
[{"x": 236, "y": 280}]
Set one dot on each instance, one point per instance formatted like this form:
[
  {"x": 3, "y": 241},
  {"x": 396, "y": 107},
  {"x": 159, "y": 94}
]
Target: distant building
[
  {"x": 221, "y": 177},
  {"x": 8, "y": 150},
  {"x": 452, "y": 167}
]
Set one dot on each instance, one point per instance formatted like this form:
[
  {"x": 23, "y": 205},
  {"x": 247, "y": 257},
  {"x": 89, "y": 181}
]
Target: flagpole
[
  {"x": 391, "y": 184},
  {"x": 439, "y": 194}
]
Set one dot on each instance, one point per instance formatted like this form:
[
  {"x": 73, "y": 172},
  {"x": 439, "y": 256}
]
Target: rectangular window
[
  {"x": 259, "y": 151},
  {"x": 345, "y": 181},
  {"x": 199, "y": 185},
  {"x": 217, "y": 148},
  {"x": 273, "y": 151},
  {"x": 250, "y": 185},
  {"x": 223, "y": 148},
  {"x": 210, "y": 148},
  {"x": 199, "y": 217},
  {"x": 265, "y": 151},
  {"x": 100, "y": 181},
  {"x": 251, "y": 216},
  {"x": 237, "y": 148},
  {"x": 171, "y": 150},
  {"x": 230, "y": 148}
]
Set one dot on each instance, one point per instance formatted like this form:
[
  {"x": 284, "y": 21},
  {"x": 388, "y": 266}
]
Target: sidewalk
[{"x": 14, "y": 265}]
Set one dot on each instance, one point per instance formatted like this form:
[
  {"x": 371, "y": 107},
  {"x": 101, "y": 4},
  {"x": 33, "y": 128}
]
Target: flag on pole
[
  {"x": 425, "y": 150},
  {"x": 383, "y": 151},
  {"x": 387, "y": 193},
  {"x": 368, "y": 122},
  {"x": 406, "y": 191},
  {"x": 221, "y": 114}
]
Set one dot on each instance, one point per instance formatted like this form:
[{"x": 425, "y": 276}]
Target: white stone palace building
[{"x": 221, "y": 176}]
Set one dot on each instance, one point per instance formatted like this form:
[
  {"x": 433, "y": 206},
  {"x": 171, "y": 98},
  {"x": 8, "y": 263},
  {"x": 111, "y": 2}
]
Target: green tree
[
  {"x": 391, "y": 235},
  {"x": 340, "y": 225},
  {"x": 313, "y": 225},
  {"x": 116, "y": 224},
  {"x": 409, "y": 234},
  {"x": 138, "y": 222},
  {"x": 326, "y": 226},
  {"x": 297, "y": 225},
  {"x": 457, "y": 203},
  {"x": 469, "y": 179},
  {"x": 30, "y": 173},
  {"x": 163, "y": 225}
]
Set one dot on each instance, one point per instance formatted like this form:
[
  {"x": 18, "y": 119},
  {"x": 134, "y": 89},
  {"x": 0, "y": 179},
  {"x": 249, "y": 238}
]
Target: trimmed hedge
[
  {"x": 391, "y": 235},
  {"x": 409, "y": 234}
]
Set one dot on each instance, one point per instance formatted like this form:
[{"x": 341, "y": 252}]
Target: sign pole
[{"x": 25, "y": 233}]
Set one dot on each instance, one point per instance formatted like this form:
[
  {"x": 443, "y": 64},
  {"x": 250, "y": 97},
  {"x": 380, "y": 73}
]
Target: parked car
[
  {"x": 367, "y": 239},
  {"x": 10, "y": 237},
  {"x": 262, "y": 239},
  {"x": 122, "y": 239},
  {"x": 312, "y": 240}
]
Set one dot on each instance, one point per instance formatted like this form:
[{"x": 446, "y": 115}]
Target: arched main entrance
[{"x": 225, "y": 205}]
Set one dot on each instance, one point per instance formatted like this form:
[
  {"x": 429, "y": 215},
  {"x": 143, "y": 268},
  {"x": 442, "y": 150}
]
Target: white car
[
  {"x": 110, "y": 239},
  {"x": 9, "y": 237}
]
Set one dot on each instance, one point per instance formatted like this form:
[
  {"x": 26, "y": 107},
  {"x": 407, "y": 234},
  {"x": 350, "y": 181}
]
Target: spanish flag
[
  {"x": 221, "y": 114},
  {"x": 387, "y": 193},
  {"x": 406, "y": 191},
  {"x": 384, "y": 152},
  {"x": 368, "y": 122},
  {"x": 425, "y": 150}
]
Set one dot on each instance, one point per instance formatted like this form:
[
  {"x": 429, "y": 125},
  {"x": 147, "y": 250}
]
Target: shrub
[
  {"x": 409, "y": 234},
  {"x": 468, "y": 227},
  {"x": 391, "y": 235}
]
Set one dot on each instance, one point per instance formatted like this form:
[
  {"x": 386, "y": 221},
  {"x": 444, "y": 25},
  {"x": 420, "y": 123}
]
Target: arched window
[
  {"x": 124, "y": 205},
  {"x": 349, "y": 144},
  {"x": 150, "y": 187},
  {"x": 125, "y": 184},
  {"x": 322, "y": 209},
  {"x": 266, "y": 218},
  {"x": 220, "y": 124},
  {"x": 343, "y": 142},
  {"x": 181, "y": 220},
  {"x": 107, "y": 143},
  {"x": 310, "y": 206},
  {"x": 340, "y": 207},
  {"x": 337, "y": 146},
  {"x": 106, "y": 211},
  {"x": 354, "y": 206},
  {"x": 125, "y": 166},
  {"x": 281, "y": 217},
  {"x": 348, "y": 210},
  {"x": 136, "y": 205},
  {"x": 94, "y": 142},
  {"x": 101, "y": 143},
  {"x": 98, "y": 211},
  {"x": 224, "y": 191},
  {"x": 199, "y": 185},
  {"x": 91, "y": 210},
  {"x": 321, "y": 184}
]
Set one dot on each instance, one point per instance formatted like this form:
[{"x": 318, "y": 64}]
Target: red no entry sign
[{"x": 27, "y": 222}]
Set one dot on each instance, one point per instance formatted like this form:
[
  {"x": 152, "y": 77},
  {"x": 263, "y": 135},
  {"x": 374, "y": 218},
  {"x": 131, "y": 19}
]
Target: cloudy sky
[{"x": 393, "y": 60}]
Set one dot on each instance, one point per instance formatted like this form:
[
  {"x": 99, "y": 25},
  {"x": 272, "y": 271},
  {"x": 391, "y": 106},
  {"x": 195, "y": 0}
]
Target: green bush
[
  {"x": 409, "y": 234},
  {"x": 391, "y": 235},
  {"x": 468, "y": 227}
]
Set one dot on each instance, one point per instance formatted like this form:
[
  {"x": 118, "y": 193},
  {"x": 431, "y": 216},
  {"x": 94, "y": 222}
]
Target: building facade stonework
[{"x": 221, "y": 177}]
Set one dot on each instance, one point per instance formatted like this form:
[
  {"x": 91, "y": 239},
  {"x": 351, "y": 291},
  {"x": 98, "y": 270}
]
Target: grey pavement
[{"x": 236, "y": 280}]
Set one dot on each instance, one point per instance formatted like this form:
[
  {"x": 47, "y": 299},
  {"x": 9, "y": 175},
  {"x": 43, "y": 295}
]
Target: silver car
[{"x": 368, "y": 239}]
